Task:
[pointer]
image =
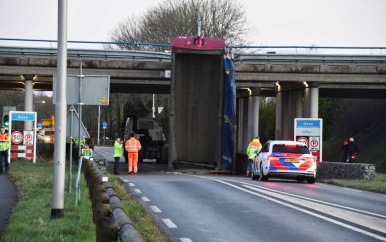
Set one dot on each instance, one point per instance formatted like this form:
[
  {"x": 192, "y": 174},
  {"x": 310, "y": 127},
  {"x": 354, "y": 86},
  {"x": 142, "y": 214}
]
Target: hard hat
[{"x": 352, "y": 139}]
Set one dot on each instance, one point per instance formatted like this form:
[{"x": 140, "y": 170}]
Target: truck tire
[{"x": 140, "y": 156}]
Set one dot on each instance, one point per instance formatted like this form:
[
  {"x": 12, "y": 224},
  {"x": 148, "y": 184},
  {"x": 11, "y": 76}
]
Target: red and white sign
[
  {"x": 303, "y": 140},
  {"x": 17, "y": 137},
  {"x": 314, "y": 143},
  {"x": 28, "y": 137}
]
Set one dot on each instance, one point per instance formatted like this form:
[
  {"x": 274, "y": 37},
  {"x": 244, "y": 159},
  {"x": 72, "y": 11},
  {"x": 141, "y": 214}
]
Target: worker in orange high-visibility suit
[{"x": 132, "y": 146}]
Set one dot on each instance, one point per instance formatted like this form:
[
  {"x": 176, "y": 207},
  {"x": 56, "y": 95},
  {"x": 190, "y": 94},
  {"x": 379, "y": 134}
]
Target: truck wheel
[{"x": 140, "y": 156}]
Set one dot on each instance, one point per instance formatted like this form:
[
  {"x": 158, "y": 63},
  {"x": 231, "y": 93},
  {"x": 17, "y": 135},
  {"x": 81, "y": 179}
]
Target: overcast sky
[{"x": 275, "y": 22}]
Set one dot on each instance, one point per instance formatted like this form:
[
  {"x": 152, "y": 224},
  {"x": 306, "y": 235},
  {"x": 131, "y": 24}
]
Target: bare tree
[{"x": 224, "y": 19}]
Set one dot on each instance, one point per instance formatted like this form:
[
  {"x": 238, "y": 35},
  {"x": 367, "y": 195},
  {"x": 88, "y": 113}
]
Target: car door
[{"x": 261, "y": 157}]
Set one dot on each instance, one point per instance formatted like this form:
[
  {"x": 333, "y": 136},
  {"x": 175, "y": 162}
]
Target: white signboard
[
  {"x": 93, "y": 90},
  {"x": 309, "y": 131},
  {"x": 28, "y": 137},
  {"x": 16, "y": 136}
]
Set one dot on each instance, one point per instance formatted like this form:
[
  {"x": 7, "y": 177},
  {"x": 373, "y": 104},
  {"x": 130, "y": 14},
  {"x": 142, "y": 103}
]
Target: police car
[{"x": 288, "y": 159}]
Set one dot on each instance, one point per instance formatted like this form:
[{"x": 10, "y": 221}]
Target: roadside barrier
[
  {"x": 25, "y": 151},
  {"x": 108, "y": 215},
  {"x": 341, "y": 170}
]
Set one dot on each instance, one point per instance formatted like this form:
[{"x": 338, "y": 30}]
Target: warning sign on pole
[{"x": 309, "y": 131}]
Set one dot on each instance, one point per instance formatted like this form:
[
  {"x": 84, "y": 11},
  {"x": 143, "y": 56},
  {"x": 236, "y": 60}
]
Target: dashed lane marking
[
  {"x": 145, "y": 199},
  {"x": 352, "y": 190},
  {"x": 169, "y": 223},
  {"x": 155, "y": 209},
  {"x": 137, "y": 191},
  {"x": 185, "y": 240},
  {"x": 131, "y": 184}
]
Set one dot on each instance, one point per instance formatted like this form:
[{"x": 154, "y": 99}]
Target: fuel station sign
[{"x": 310, "y": 131}]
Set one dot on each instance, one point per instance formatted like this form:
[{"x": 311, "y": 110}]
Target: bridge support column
[
  {"x": 28, "y": 99},
  {"x": 289, "y": 103},
  {"x": 242, "y": 114},
  {"x": 253, "y": 113},
  {"x": 279, "y": 106},
  {"x": 311, "y": 101}
]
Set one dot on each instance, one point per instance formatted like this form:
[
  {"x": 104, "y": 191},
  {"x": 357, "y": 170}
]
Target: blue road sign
[
  {"x": 40, "y": 125},
  {"x": 23, "y": 117},
  {"x": 104, "y": 124}
]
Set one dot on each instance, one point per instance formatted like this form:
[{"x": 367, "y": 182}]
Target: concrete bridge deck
[{"x": 149, "y": 72}]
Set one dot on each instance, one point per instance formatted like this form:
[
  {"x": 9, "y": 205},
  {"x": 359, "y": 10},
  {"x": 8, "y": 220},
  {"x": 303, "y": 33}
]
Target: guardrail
[
  {"x": 108, "y": 214},
  {"x": 268, "y": 56}
]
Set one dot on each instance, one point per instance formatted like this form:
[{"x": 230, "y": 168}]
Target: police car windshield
[{"x": 281, "y": 148}]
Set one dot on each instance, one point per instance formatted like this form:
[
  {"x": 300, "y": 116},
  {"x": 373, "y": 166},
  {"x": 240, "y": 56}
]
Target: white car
[{"x": 281, "y": 158}]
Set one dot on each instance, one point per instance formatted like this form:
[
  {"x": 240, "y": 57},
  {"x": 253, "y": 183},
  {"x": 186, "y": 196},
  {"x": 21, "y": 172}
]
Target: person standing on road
[
  {"x": 118, "y": 147},
  {"x": 254, "y": 147},
  {"x": 132, "y": 146},
  {"x": 5, "y": 143}
]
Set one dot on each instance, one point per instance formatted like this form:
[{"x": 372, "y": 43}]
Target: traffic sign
[
  {"x": 314, "y": 143},
  {"x": 40, "y": 126},
  {"x": 104, "y": 124},
  {"x": 86, "y": 153},
  {"x": 310, "y": 132},
  {"x": 303, "y": 140},
  {"x": 16, "y": 137},
  {"x": 22, "y": 116},
  {"x": 28, "y": 137}
]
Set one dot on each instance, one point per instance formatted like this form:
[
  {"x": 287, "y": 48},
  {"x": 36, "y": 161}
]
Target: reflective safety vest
[
  {"x": 118, "y": 147},
  {"x": 132, "y": 145},
  {"x": 5, "y": 142},
  {"x": 253, "y": 148}
]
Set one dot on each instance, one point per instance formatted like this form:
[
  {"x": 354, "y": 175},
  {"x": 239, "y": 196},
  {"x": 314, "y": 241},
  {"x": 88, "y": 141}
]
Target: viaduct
[{"x": 296, "y": 81}]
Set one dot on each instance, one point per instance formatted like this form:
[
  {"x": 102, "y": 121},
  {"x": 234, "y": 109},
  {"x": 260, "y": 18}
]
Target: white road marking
[
  {"x": 131, "y": 184},
  {"x": 311, "y": 199},
  {"x": 169, "y": 223},
  {"x": 354, "y": 217},
  {"x": 155, "y": 209},
  {"x": 352, "y": 190},
  {"x": 185, "y": 240},
  {"x": 361, "y": 219},
  {"x": 145, "y": 199},
  {"x": 137, "y": 191}
]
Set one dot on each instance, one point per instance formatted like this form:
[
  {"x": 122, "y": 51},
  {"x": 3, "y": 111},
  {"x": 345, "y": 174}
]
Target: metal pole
[
  {"x": 199, "y": 28},
  {"x": 80, "y": 109},
  {"x": 99, "y": 121},
  {"x": 153, "y": 108},
  {"x": 71, "y": 127},
  {"x": 77, "y": 183},
  {"x": 57, "y": 209}
]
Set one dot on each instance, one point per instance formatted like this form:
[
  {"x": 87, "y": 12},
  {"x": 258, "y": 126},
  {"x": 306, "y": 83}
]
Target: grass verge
[
  {"x": 31, "y": 217},
  {"x": 376, "y": 185},
  {"x": 136, "y": 213}
]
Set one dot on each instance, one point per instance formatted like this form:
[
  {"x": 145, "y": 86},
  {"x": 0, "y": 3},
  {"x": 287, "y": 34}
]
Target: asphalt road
[{"x": 198, "y": 206}]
